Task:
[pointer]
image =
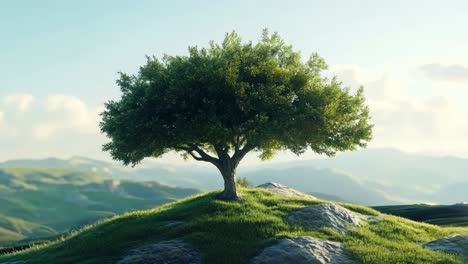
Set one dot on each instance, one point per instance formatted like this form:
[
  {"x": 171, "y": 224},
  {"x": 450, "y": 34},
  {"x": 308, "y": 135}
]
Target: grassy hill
[
  {"x": 455, "y": 215},
  {"x": 233, "y": 232},
  {"x": 43, "y": 202},
  {"x": 15, "y": 229}
]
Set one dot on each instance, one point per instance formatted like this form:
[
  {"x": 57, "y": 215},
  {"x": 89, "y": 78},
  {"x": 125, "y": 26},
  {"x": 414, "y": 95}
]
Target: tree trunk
[
  {"x": 229, "y": 176},
  {"x": 227, "y": 166}
]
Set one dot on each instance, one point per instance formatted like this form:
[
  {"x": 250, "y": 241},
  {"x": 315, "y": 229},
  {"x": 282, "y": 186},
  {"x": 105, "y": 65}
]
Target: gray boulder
[
  {"x": 284, "y": 190},
  {"x": 167, "y": 252},
  {"x": 304, "y": 250},
  {"x": 326, "y": 215},
  {"x": 457, "y": 245}
]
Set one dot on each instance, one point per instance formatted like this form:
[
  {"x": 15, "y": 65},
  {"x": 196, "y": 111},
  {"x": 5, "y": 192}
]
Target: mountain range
[{"x": 369, "y": 177}]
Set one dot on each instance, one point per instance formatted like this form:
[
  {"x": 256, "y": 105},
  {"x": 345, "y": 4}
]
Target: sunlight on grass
[{"x": 233, "y": 232}]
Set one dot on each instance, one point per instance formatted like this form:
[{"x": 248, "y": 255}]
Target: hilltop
[
  {"x": 236, "y": 232},
  {"x": 41, "y": 202}
]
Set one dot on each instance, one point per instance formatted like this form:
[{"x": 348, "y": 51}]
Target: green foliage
[
  {"x": 231, "y": 97},
  {"x": 243, "y": 182},
  {"x": 233, "y": 232}
]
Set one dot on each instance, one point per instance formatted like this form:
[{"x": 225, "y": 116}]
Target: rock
[
  {"x": 167, "y": 252},
  {"x": 302, "y": 250},
  {"x": 284, "y": 190},
  {"x": 326, "y": 215},
  {"x": 457, "y": 245}
]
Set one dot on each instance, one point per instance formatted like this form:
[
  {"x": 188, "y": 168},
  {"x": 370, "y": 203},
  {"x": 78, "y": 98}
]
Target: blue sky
[{"x": 59, "y": 61}]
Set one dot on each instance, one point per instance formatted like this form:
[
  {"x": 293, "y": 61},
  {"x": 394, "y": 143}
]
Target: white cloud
[
  {"x": 439, "y": 72},
  {"x": 21, "y": 102},
  {"x": 377, "y": 85},
  {"x": 416, "y": 123},
  {"x": 6, "y": 131},
  {"x": 56, "y": 126},
  {"x": 67, "y": 113}
]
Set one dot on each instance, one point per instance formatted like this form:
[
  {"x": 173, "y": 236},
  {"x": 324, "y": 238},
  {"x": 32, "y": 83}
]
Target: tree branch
[
  {"x": 237, "y": 145},
  {"x": 203, "y": 155},
  {"x": 222, "y": 154},
  {"x": 239, "y": 155},
  {"x": 194, "y": 156}
]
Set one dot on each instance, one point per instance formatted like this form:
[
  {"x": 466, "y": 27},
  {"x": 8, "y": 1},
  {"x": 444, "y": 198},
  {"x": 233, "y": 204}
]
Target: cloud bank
[
  {"x": 439, "y": 72},
  {"x": 52, "y": 126},
  {"x": 67, "y": 113},
  {"x": 21, "y": 102},
  {"x": 417, "y": 123}
]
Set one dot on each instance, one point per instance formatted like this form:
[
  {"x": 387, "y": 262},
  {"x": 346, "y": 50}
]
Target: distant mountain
[
  {"x": 394, "y": 167},
  {"x": 199, "y": 178},
  {"x": 182, "y": 176},
  {"x": 328, "y": 182},
  {"x": 370, "y": 176},
  {"x": 76, "y": 163},
  {"x": 404, "y": 177},
  {"x": 41, "y": 202}
]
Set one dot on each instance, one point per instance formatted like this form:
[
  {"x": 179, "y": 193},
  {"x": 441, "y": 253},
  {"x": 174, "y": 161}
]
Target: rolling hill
[
  {"x": 233, "y": 232},
  {"x": 449, "y": 215},
  {"x": 51, "y": 196},
  {"x": 43, "y": 202},
  {"x": 375, "y": 176},
  {"x": 333, "y": 183}
]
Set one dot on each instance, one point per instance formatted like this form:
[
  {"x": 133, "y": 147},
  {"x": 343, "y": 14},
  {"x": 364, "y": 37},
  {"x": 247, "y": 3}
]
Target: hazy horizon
[{"x": 250, "y": 161}]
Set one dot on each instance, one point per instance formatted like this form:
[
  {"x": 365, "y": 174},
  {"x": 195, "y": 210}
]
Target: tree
[{"x": 219, "y": 103}]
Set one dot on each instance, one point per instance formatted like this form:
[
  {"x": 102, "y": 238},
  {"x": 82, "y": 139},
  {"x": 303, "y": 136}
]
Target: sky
[{"x": 59, "y": 61}]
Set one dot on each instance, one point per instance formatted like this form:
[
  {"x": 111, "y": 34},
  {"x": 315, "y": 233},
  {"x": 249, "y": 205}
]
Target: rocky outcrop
[
  {"x": 167, "y": 252},
  {"x": 326, "y": 215},
  {"x": 302, "y": 250},
  {"x": 457, "y": 245},
  {"x": 284, "y": 190}
]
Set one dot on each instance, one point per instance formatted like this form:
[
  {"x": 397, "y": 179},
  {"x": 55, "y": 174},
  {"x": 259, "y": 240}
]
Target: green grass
[{"x": 233, "y": 232}]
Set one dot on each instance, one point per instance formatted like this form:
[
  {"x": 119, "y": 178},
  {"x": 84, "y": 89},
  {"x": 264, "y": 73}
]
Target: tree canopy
[{"x": 218, "y": 103}]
